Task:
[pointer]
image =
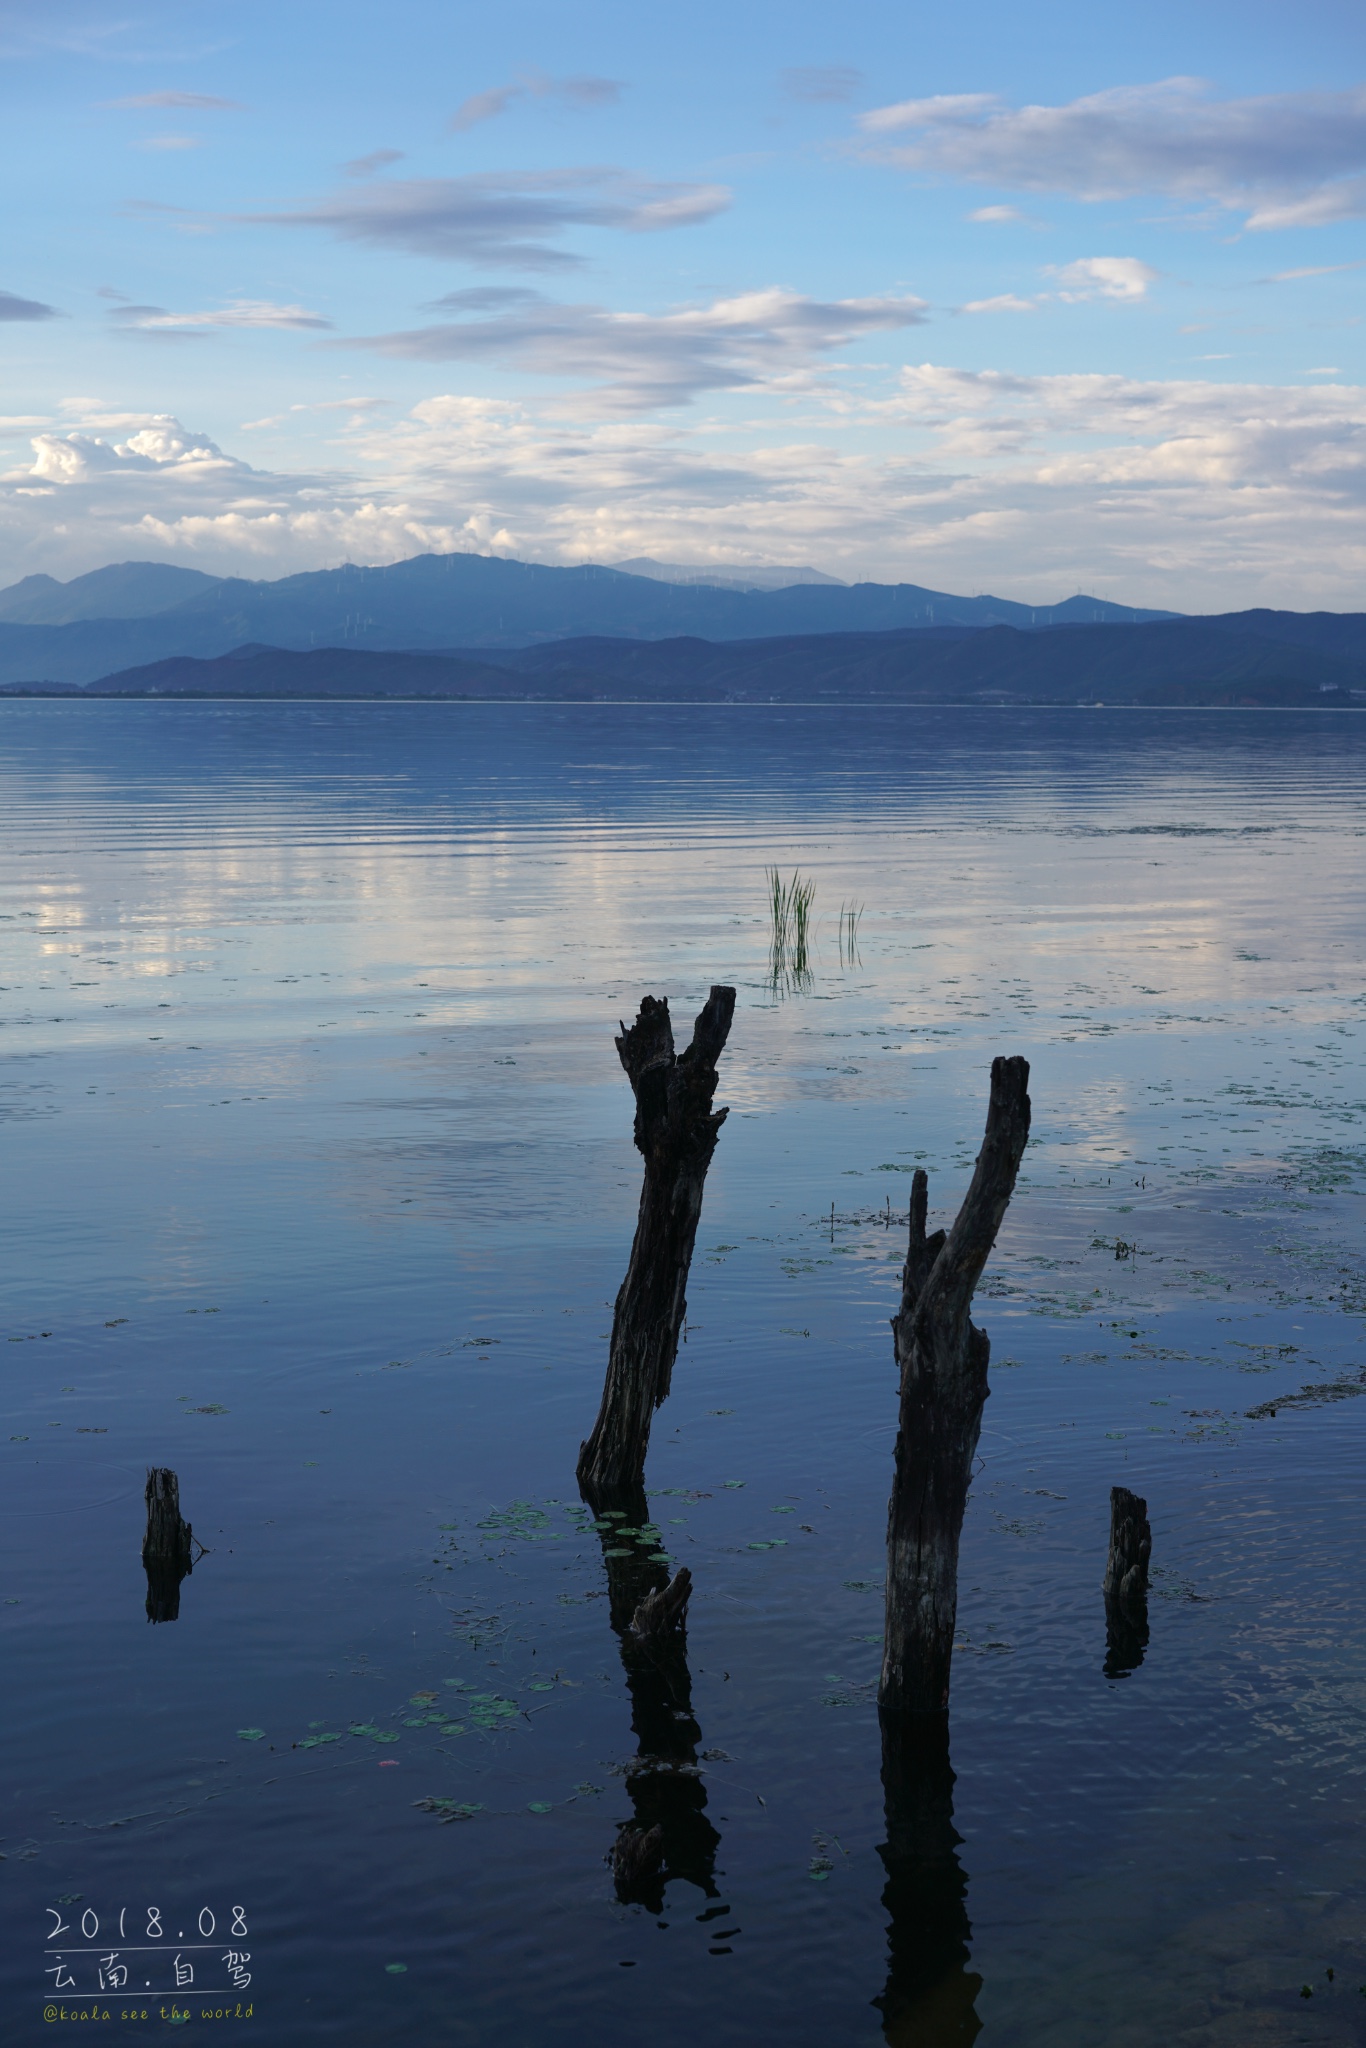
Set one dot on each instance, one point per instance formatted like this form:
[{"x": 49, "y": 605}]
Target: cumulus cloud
[
  {"x": 204, "y": 101},
  {"x": 1191, "y": 493},
  {"x": 154, "y": 445},
  {"x": 1285, "y": 159},
  {"x": 502, "y": 218},
  {"x": 641, "y": 360},
  {"x": 239, "y": 313},
  {"x": 821, "y": 83},
  {"x": 574, "y": 92},
  {"x": 1104, "y": 277},
  {"x": 12, "y": 307}
]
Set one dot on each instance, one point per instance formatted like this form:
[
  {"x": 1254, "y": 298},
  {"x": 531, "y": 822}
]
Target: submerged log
[
  {"x": 167, "y": 1546},
  {"x": 931, "y": 1993},
  {"x": 675, "y": 1131},
  {"x": 943, "y": 1361},
  {"x": 1125, "y": 1584}
]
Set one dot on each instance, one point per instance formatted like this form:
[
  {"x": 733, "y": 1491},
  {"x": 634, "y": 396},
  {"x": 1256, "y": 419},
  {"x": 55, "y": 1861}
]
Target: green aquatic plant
[
  {"x": 791, "y": 931},
  {"x": 850, "y": 917}
]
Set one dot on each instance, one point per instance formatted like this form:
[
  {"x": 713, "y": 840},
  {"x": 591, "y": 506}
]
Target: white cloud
[
  {"x": 157, "y": 445},
  {"x": 1004, "y": 302},
  {"x": 574, "y": 92},
  {"x": 502, "y": 218},
  {"x": 356, "y": 407},
  {"x": 1104, "y": 277},
  {"x": 239, "y": 313},
  {"x": 640, "y": 360},
  {"x": 1191, "y": 493},
  {"x": 1287, "y": 159},
  {"x": 995, "y": 215}
]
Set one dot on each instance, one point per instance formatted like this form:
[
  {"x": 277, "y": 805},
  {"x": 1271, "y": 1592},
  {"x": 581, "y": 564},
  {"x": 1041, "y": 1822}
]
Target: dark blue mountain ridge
[
  {"x": 483, "y": 601},
  {"x": 1211, "y": 661}
]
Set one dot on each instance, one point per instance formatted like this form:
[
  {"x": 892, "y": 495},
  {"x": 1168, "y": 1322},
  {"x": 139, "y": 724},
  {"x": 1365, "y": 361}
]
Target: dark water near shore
[{"x": 319, "y": 1187}]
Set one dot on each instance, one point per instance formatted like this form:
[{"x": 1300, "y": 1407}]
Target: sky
[{"x": 990, "y": 299}]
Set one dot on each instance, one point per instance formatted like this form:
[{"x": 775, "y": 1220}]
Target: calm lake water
[{"x": 319, "y": 1188}]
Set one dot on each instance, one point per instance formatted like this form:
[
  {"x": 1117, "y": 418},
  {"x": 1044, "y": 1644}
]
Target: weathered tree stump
[
  {"x": 1125, "y": 1584},
  {"x": 167, "y": 1547},
  {"x": 930, "y": 1995},
  {"x": 943, "y": 1360},
  {"x": 675, "y": 1131}
]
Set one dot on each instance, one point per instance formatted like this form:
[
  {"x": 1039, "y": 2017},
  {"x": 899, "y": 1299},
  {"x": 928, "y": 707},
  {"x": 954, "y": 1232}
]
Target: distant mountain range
[
  {"x": 1260, "y": 657},
  {"x": 725, "y": 579},
  {"x": 479, "y": 626},
  {"x": 135, "y": 613}
]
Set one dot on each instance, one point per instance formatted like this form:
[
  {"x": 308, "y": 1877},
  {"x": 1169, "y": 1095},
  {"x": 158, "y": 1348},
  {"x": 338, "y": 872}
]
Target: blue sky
[{"x": 988, "y": 299}]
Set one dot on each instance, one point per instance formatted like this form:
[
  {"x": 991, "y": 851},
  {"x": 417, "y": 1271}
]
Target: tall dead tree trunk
[
  {"x": 943, "y": 1360},
  {"x": 676, "y": 1132}
]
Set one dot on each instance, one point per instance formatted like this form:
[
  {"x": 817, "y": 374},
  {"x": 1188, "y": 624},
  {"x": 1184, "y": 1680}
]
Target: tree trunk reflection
[{"x": 930, "y": 1996}]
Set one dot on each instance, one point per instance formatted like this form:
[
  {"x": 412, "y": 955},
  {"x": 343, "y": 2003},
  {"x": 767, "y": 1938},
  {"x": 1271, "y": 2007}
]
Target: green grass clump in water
[{"x": 791, "y": 929}]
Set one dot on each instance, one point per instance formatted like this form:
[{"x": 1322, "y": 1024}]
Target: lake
[{"x": 365, "y": 1785}]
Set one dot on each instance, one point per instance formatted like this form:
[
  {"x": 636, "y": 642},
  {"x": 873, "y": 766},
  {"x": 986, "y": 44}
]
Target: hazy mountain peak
[
  {"x": 723, "y": 576},
  {"x": 121, "y": 590}
]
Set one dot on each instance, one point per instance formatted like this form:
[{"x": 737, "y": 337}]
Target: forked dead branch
[
  {"x": 943, "y": 1360},
  {"x": 675, "y": 1132}
]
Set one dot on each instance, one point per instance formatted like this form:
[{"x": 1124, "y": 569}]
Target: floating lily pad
[
  {"x": 539, "y": 1806},
  {"x": 251, "y": 1735},
  {"x": 397, "y": 1969},
  {"x": 449, "y": 1809}
]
